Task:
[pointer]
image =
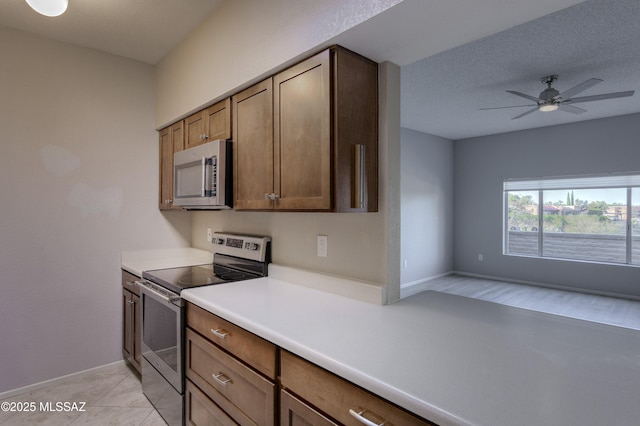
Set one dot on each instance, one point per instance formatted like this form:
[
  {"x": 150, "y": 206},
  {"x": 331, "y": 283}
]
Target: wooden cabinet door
[
  {"x": 195, "y": 129},
  {"x": 171, "y": 141},
  {"x": 294, "y": 412},
  {"x": 302, "y": 102},
  {"x": 253, "y": 147},
  {"x": 338, "y": 398},
  {"x": 355, "y": 128},
  {"x": 166, "y": 170},
  {"x": 201, "y": 411},
  {"x": 245, "y": 395},
  {"x": 127, "y": 321},
  {"x": 218, "y": 121},
  {"x": 131, "y": 337},
  {"x": 136, "y": 338},
  {"x": 208, "y": 124}
]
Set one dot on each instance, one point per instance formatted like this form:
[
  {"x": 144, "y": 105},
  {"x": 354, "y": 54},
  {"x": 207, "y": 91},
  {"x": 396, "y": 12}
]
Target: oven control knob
[{"x": 251, "y": 246}]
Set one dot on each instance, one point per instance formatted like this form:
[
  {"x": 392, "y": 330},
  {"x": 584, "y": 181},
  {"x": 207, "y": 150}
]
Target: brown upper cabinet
[
  {"x": 307, "y": 138},
  {"x": 171, "y": 141},
  {"x": 209, "y": 124},
  {"x": 253, "y": 147}
]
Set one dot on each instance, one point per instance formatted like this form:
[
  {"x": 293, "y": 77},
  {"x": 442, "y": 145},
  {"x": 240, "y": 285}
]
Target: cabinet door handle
[
  {"x": 359, "y": 415},
  {"x": 218, "y": 332},
  {"x": 222, "y": 379},
  {"x": 360, "y": 176},
  {"x": 271, "y": 197},
  {"x": 131, "y": 302}
]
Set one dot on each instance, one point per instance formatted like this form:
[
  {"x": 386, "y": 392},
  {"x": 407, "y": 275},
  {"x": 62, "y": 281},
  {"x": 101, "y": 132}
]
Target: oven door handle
[{"x": 148, "y": 288}]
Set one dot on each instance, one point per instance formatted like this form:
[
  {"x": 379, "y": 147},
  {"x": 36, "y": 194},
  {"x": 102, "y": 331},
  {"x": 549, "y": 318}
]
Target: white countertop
[
  {"x": 448, "y": 358},
  {"x": 139, "y": 261}
]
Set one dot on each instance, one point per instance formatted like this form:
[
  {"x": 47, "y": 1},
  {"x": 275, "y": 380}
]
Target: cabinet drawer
[
  {"x": 245, "y": 395},
  {"x": 337, "y": 397},
  {"x": 294, "y": 412},
  {"x": 201, "y": 411},
  {"x": 253, "y": 350},
  {"x": 129, "y": 282}
]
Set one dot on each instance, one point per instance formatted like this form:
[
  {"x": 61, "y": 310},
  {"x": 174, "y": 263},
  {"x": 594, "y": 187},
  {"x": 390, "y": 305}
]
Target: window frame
[{"x": 627, "y": 180}]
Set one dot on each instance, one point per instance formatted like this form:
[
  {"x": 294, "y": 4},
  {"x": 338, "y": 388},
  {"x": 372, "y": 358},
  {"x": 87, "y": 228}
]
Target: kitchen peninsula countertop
[{"x": 450, "y": 359}]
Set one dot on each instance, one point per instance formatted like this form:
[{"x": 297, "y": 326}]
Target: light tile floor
[{"x": 113, "y": 396}]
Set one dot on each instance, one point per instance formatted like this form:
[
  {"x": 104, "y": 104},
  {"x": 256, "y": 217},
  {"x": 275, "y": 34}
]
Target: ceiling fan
[{"x": 550, "y": 99}]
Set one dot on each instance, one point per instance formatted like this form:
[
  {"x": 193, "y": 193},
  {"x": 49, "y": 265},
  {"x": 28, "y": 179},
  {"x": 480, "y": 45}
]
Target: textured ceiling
[{"x": 442, "y": 94}]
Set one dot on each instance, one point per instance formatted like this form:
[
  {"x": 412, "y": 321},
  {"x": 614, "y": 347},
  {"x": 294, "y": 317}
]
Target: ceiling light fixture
[
  {"x": 49, "y": 7},
  {"x": 548, "y": 107}
]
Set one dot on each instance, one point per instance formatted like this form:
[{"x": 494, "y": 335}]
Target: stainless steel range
[{"x": 235, "y": 258}]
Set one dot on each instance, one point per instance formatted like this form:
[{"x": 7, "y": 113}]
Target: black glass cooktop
[{"x": 178, "y": 279}]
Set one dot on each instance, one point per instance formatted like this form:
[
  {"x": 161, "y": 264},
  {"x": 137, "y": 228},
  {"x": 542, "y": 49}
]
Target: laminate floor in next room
[{"x": 112, "y": 396}]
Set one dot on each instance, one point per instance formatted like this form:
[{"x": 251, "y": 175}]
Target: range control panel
[{"x": 245, "y": 246}]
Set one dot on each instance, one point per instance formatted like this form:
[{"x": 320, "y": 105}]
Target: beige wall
[
  {"x": 78, "y": 180},
  {"x": 245, "y": 40}
]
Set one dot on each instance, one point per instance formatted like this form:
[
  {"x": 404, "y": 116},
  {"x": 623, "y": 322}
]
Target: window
[{"x": 593, "y": 218}]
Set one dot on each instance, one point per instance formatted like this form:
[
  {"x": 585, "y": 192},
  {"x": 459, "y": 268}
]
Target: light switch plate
[{"x": 322, "y": 245}]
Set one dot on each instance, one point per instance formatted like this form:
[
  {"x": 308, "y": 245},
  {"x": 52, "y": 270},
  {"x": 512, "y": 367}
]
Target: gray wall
[
  {"x": 481, "y": 165},
  {"x": 427, "y": 208}
]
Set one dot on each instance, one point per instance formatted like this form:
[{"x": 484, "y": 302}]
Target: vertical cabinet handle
[
  {"x": 271, "y": 197},
  {"x": 218, "y": 332},
  {"x": 359, "y": 176},
  {"x": 359, "y": 415}
]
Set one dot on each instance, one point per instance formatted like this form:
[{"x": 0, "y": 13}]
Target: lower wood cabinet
[
  {"x": 201, "y": 411},
  {"x": 335, "y": 398},
  {"x": 236, "y": 377},
  {"x": 131, "y": 337},
  {"x": 294, "y": 412},
  {"x": 229, "y": 386}
]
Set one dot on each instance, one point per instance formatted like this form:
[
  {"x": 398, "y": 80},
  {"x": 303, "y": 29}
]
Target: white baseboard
[{"x": 36, "y": 386}]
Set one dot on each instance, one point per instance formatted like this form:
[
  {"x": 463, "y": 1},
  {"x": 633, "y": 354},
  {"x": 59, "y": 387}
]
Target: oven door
[{"x": 162, "y": 315}]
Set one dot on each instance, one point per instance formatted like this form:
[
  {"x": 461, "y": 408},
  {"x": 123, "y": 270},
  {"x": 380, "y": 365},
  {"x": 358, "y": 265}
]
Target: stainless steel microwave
[{"x": 202, "y": 176}]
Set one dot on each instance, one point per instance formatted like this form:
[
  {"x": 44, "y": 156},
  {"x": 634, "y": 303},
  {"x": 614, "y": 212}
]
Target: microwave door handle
[
  {"x": 207, "y": 171},
  {"x": 204, "y": 176}
]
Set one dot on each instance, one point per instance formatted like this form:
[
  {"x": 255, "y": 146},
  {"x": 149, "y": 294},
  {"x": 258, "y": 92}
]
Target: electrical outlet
[
  {"x": 481, "y": 257},
  {"x": 209, "y": 234},
  {"x": 322, "y": 245}
]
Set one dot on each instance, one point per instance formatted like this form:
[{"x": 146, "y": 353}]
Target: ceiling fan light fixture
[
  {"x": 49, "y": 7},
  {"x": 547, "y": 107}
]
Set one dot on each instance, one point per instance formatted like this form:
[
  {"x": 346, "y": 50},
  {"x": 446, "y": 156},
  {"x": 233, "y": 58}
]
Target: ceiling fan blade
[
  {"x": 512, "y": 106},
  {"x": 523, "y": 95},
  {"x": 599, "y": 97},
  {"x": 580, "y": 88},
  {"x": 525, "y": 113},
  {"x": 570, "y": 108}
]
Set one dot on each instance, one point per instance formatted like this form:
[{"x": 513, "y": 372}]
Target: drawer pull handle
[
  {"x": 221, "y": 378},
  {"x": 359, "y": 415},
  {"x": 218, "y": 332}
]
